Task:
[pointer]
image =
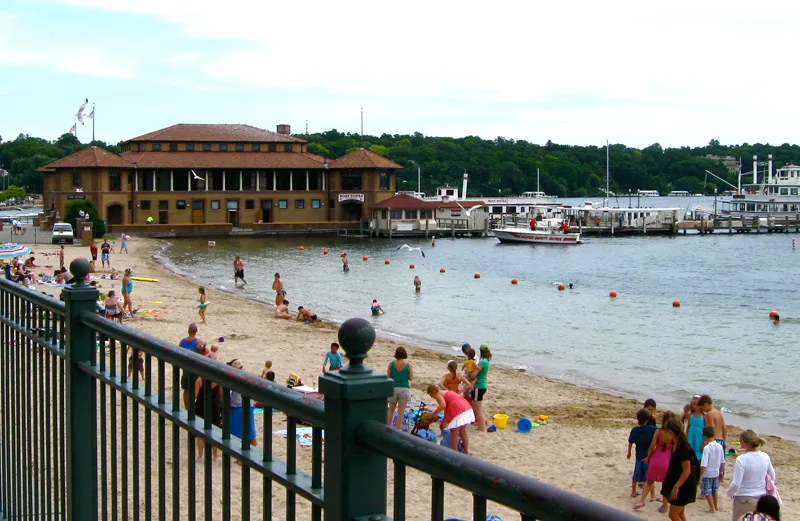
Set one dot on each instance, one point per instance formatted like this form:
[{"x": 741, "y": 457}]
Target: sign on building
[{"x": 351, "y": 197}]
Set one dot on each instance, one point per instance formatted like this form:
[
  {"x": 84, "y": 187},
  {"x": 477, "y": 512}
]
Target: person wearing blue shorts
[{"x": 641, "y": 436}]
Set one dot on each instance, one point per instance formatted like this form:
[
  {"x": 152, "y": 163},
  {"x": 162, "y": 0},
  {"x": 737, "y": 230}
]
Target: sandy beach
[{"x": 582, "y": 449}]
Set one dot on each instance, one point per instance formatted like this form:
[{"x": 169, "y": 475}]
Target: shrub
[{"x": 73, "y": 212}]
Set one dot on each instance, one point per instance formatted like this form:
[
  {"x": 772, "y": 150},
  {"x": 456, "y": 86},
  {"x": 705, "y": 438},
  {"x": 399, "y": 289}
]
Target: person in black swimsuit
[{"x": 680, "y": 484}]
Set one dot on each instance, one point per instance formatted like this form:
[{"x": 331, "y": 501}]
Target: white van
[{"x": 62, "y": 232}]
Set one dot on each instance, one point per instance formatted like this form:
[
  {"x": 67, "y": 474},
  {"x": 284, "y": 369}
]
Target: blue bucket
[{"x": 524, "y": 425}]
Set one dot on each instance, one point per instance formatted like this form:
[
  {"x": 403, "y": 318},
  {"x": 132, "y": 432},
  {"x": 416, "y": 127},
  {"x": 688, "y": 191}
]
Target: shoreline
[
  {"x": 765, "y": 426},
  {"x": 582, "y": 449}
]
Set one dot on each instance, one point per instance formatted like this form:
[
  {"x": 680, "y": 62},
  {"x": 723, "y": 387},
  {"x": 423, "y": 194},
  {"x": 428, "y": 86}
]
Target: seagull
[
  {"x": 472, "y": 209},
  {"x": 409, "y": 248},
  {"x": 197, "y": 176}
]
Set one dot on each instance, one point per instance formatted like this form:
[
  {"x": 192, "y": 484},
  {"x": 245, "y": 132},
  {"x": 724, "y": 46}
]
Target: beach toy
[
  {"x": 411, "y": 266},
  {"x": 386, "y": 261},
  {"x": 491, "y": 428},
  {"x": 221, "y": 339},
  {"x": 560, "y": 287},
  {"x": 477, "y": 276},
  {"x": 613, "y": 294},
  {"x": 514, "y": 281},
  {"x": 676, "y": 303},
  {"x": 501, "y": 420},
  {"x": 524, "y": 425},
  {"x": 442, "y": 270},
  {"x": 772, "y": 313},
  {"x": 144, "y": 279},
  {"x": 364, "y": 258},
  {"x": 324, "y": 252},
  {"x": 302, "y": 248},
  {"x": 154, "y": 301},
  {"x": 211, "y": 244}
]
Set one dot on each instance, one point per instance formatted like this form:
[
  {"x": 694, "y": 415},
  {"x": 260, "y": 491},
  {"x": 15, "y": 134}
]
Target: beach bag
[
  {"x": 772, "y": 490},
  {"x": 446, "y": 441}
]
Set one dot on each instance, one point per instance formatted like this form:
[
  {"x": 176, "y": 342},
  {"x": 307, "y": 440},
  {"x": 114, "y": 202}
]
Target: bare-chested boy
[
  {"x": 282, "y": 311},
  {"x": 280, "y": 291},
  {"x": 238, "y": 270},
  {"x": 306, "y": 314},
  {"x": 713, "y": 417}
]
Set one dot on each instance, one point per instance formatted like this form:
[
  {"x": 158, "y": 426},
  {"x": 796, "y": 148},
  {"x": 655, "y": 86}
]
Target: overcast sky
[{"x": 575, "y": 72}]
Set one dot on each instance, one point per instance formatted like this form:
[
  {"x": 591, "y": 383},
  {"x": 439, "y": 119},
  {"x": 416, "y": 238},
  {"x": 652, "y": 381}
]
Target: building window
[
  {"x": 497, "y": 209},
  {"x": 239, "y": 147},
  {"x": 115, "y": 182},
  {"x": 190, "y": 147},
  {"x": 180, "y": 205},
  {"x": 76, "y": 179},
  {"x": 315, "y": 181},
  {"x": 425, "y": 214},
  {"x": 249, "y": 204},
  {"x": 283, "y": 203},
  {"x": 223, "y": 148},
  {"x": 272, "y": 148},
  {"x": 397, "y": 214},
  {"x": 383, "y": 214},
  {"x": 206, "y": 147},
  {"x": 282, "y": 181},
  {"x": 145, "y": 205},
  {"x": 384, "y": 181},
  {"x": 156, "y": 147},
  {"x": 351, "y": 181},
  {"x": 287, "y": 148},
  {"x": 163, "y": 205},
  {"x": 411, "y": 214},
  {"x": 173, "y": 147},
  {"x": 256, "y": 148},
  {"x": 316, "y": 203},
  {"x": 299, "y": 203},
  {"x": 298, "y": 181},
  {"x": 215, "y": 205},
  {"x": 163, "y": 183}
]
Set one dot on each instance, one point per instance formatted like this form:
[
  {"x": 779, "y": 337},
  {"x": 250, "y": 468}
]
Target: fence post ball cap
[
  {"x": 79, "y": 268},
  {"x": 356, "y": 336}
]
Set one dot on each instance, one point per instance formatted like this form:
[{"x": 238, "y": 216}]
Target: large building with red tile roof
[{"x": 234, "y": 175}]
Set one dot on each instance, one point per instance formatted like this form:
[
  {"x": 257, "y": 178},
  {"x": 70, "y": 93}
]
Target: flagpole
[{"x": 93, "y": 121}]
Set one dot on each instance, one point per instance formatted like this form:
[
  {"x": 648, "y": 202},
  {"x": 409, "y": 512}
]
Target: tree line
[{"x": 498, "y": 166}]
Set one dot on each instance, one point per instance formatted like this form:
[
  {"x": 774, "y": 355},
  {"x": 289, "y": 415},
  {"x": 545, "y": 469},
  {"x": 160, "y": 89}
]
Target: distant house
[{"x": 405, "y": 213}]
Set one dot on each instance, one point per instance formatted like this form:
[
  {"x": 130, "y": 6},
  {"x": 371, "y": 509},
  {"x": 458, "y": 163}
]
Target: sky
[{"x": 678, "y": 73}]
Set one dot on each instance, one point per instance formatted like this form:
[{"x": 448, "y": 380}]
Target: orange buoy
[
  {"x": 386, "y": 261},
  {"x": 773, "y": 314},
  {"x": 676, "y": 303},
  {"x": 613, "y": 294},
  {"x": 302, "y": 248},
  {"x": 560, "y": 287},
  {"x": 324, "y": 252},
  {"x": 411, "y": 266},
  {"x": 514, "y": 281},
  {"x": 364, "y": 257},
  {"x": 477, "y": 275},
  {"x": 441, "y": 270}
]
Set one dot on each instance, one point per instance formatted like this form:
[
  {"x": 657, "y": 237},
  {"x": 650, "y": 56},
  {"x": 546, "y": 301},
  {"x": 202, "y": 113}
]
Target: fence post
[
  {"x": 81, "y": 398},
  {"x": 355, "y": 478}
]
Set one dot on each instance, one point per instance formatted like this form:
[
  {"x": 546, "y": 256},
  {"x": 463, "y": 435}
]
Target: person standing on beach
[
  {"x": 192, "y": 343},
  {"x": 481, "y": 386},
  {"x": 711, "y": 467},
  {"x": 280, "y": 291},
  {"x": 694, "y": 431},
  {"x": 642, "y": 437},
  {"x": 93, "y": 252},
  {"x": 402, "y": 374},
  {"x": 61, "y": 257},
  {"x": 127, "y": 289},
  {"x": 680, "y": 485},
  {"x": 657, "y": 462},
  {"x": 123, "y": 243},
  {"x": 203, "y": 304},
  {"x": 237, "y": 412},
  {"x": 451, "y": 381},
  {"x": 714, "y": 418},
  {"x": 105, "y": 253},
  {"x": 750, "y": 474},
  {"x": 238, "y": 270}
]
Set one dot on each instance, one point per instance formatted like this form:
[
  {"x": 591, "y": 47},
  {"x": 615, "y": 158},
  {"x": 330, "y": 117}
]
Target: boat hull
[{"x": 536, "y": 237}]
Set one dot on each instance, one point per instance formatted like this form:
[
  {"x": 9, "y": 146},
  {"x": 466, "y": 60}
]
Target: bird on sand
[{"x": 409, "y": 248}]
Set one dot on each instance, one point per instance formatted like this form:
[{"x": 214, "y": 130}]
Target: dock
[{"x": 742, "y": 224}]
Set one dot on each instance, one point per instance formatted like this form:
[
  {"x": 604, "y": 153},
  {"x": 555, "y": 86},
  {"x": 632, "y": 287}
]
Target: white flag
[
  {"x": 73, "y": 130},
  {"x": 79, "y": 115},
  {"x": 91, "y": 114}
]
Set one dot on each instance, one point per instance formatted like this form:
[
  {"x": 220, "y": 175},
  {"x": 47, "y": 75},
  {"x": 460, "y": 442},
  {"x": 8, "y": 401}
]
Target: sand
[{"x": 582, "y": 449}]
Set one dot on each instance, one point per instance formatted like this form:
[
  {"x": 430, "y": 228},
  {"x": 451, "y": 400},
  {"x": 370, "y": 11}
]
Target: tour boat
[
  {"x": 547, "y": 231},
  {"x": 776, "y": 196}
]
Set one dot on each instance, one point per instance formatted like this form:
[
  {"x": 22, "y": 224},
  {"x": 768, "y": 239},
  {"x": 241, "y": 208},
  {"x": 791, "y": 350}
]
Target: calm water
[{"x": 720, "y": 340}]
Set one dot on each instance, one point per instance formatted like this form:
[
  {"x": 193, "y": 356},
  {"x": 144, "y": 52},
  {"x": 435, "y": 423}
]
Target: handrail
[
  {"x": 522, "y": 493},
  {"x": 48, "y": 303},
  {"x": 293, "y": 403}
]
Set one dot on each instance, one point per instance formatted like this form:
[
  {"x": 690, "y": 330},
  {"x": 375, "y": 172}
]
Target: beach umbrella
[{"x": 11, "y": 249}]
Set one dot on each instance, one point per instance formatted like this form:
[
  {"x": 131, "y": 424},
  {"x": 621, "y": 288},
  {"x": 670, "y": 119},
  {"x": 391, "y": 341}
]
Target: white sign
[
  {"x": 351, "y": 197},
  {"x": 496, "y": 201}
]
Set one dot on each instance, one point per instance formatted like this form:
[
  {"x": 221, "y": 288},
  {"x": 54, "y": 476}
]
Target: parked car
[{"x": 62, "y": 232}]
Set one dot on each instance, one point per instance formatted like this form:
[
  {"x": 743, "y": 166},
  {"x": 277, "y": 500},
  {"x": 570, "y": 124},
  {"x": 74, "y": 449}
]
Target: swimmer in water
[
  {"x": 433, "y": 241},
  {"x": 570, "y": 285},
  {"x": 417, "y": 284},
  {"x": 776, "y": 319},
  {"x": 345, "y": 263},
  {"x": 376, "y": 308}
]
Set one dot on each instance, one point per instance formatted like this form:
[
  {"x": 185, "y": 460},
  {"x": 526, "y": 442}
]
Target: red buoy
[
  {"x": 613, "y": 294},
  {"x": 477, "y": 275},
  {"x": 302, "y": 248},
  {"x": 441, "y": 270},
  {"x": 560, "y": 287},
  {"x": 676, "y": 303},
  {"x": 364, "y": 258},
  {"x": 324, "y": 252},
  {"x": 411, "y": 266},
  {"x": 386, "y": 261},
  {"x": 772, "y": 313},
  {"x": 514, "y": 281}
]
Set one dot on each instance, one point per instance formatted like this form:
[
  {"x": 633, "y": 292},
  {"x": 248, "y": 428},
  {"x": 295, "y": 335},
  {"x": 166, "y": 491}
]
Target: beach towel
[{"x": 304, "y": 435}]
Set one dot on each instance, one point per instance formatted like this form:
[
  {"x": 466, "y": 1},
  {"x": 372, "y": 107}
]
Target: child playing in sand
[
  {"x": 332, "y": 358},
  {"x": 203, "y": 304},
  {"x": 642, "y": 437},
  {"x": 267, "y": 369},
  {"x": 711, "y": 468}
]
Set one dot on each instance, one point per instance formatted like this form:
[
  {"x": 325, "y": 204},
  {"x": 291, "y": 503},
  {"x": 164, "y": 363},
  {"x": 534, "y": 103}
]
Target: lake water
[{"x": 720, "y": 341}]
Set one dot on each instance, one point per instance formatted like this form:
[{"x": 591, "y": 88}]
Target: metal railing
[{"x": 85, "y": 435}]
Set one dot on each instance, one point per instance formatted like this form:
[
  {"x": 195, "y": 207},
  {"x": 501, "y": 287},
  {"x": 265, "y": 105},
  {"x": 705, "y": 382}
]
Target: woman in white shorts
[{"x": 458, "y": 415}]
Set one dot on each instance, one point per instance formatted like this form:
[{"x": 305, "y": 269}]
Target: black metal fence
[{"x": 89, "y": 429}]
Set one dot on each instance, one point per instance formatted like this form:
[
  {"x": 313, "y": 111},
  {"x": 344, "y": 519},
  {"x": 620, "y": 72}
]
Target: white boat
[
  {"x": 679, "y": 193},
  {"x": 776, "y": 196},
  {"x": 547, "y": 231},
  {"x": 648, "y": 193}
]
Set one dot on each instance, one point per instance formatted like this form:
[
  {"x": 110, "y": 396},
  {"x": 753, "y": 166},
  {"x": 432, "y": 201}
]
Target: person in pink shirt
[{"x": 457, "y": 415}]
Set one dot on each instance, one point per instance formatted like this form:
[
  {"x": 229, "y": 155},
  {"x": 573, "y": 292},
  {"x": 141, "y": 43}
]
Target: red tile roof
[
  {"x": 89, "y": 157},
  {"x": 233, "y": 160},
  {"x": 186, "y": 132},
  {"x": 404, "y": 202},
  {"x": 363, "y": 158}
]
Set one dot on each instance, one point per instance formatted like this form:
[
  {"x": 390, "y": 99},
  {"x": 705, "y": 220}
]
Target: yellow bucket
[{"x": 500, "y": 421}]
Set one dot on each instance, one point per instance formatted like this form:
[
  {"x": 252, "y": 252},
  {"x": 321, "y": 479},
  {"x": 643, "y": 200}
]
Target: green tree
[
  {"x": 12, "y": 192},
  {"x": 74, "y": 210}
]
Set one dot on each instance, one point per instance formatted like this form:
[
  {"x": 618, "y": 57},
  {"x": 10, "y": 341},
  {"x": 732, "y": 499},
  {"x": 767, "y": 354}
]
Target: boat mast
[
  {"x": 537, "y": 180},
  {"x": 608, "y": 174}
]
